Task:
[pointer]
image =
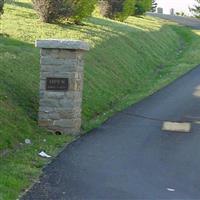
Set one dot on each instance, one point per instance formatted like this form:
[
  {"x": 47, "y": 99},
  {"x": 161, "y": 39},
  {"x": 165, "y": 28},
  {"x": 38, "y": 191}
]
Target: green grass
[{"x": 127, "y": 62}]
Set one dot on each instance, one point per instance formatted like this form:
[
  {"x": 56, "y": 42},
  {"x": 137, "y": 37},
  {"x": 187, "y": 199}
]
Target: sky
[{"x": 178, "y": 5}]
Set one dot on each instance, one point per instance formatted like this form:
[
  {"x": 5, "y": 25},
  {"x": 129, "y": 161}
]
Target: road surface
[
  {"x": 186, "y": 21},
  {"x": 130, "y": 157}
]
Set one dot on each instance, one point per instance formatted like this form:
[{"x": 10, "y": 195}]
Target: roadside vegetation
[
  {"x": 127, "y": 62},
  {"x": 196, "y": 9},
  {"x": 76, "y": 10},
  {"x": 1, "y": 6}
]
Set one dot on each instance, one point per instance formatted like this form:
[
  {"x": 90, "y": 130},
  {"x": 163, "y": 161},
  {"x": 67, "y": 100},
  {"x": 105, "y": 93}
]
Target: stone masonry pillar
[{"x": 61, "y": 85}]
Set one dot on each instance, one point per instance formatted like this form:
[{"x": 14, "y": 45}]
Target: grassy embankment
[{"x": 127, "y": 62}]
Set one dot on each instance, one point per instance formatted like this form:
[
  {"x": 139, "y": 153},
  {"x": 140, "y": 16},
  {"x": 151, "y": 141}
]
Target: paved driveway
[{"x": 129, "y": 157}]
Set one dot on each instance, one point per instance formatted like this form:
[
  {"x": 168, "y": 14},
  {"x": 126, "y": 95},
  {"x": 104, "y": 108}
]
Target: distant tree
[
  {"x": 196, "y": 9},
  {"x": 52, "y": 10},
  {"x": 128, "y": 9},
  {"x": 154, "y": 6},
  {"x": 1, "y": 6},
  {"x": 81, "y": 9},
  {"x": 142, "y": 6},
  {"x": 182, "y": 14},
  {"x": 117, "y": 9},
  {"x": 139, "y": 7},
  {"x": 48, "y": 10},
  {"x": 104, "y": 7},
  {"x": 121, "y": 9}
]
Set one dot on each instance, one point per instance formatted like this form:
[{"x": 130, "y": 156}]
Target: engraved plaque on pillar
[{"x": 57, "y": 84}]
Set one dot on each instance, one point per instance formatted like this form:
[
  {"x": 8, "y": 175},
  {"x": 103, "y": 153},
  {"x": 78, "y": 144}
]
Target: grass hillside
[{"x": 127, "y": 62}]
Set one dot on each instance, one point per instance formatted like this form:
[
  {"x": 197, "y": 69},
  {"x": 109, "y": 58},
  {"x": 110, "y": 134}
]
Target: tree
[
  {"x": 1, "y": 6},
  {"x": 154, "y": 6},
  {"x": 142, "y": 6},
  {"x": 117, "y": 9},
  {"x": 82, "y": 9},
  {"x": 53, "y": 10},
  {"x": 196, "y": 9},
  {"x": 48, "y": 10},
  {"x": 104, "y": 7},
  {"x": 182, "y": 14},
  {"x": 127, "y": 10}
]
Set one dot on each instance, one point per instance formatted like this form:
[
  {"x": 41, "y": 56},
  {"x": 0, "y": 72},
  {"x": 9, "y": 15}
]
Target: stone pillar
[
  {"x": 61, "y": 85},
  {"x": 172, "y": 11},
  {"x": 160, "y": 10}
]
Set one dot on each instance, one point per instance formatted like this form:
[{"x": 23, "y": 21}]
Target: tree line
[{"x": 75, "y": 10}]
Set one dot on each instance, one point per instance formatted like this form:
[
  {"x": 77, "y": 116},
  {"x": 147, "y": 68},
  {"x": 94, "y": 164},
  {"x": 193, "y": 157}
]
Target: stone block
[
  {"x": 62, "y": 44},
  {"x": 70, "y": 114},
  {"x": 67, "y": 123},
  {"x": 45, "y": 122},
  {"x": 76, "y": 85},
  {"x": 47, "y": 60},
  {"x": 59, "y": 53}
]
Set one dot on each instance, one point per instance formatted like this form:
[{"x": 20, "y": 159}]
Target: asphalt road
[
  {"x": 129, "y": 157},
  {"x": 186, "y": 21}
]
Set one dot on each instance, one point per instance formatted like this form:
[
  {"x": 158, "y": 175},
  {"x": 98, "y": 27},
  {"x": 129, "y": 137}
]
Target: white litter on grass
[
  {"x": 171, "y": 189},
  {"x": 27, "y": 141},
  {"x": 44, "y": 155}
]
